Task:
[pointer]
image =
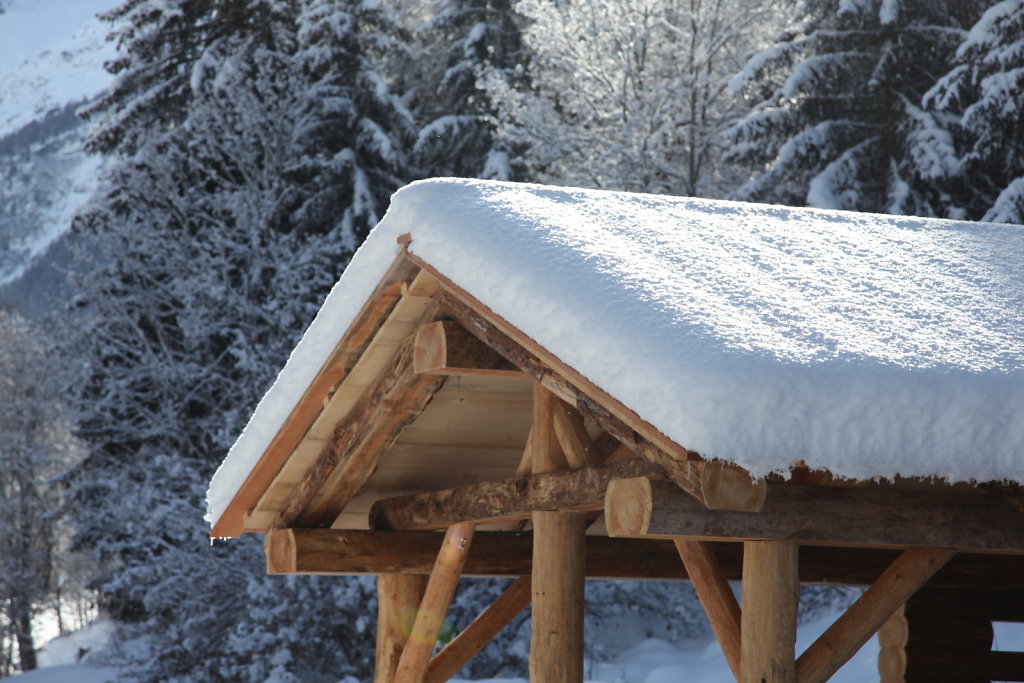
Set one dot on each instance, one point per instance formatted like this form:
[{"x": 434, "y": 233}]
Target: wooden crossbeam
[
  {"x": 509, "y": 554},
  {"x": 717, "y": 486},
  {"x": 969, "y": 520},
  {"x": 480, "y": 631},
  {"x": 412, "y": 666},
  {"x": 445, "y": 348},
  {"x": 715, "y": 595},
  {"x": 507, "y": 499},
  {"x": 394, "y": 400},
  {"x": 865, "y": 616}
]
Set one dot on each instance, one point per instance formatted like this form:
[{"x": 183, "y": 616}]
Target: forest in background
[{"x": 250, "y": 145}]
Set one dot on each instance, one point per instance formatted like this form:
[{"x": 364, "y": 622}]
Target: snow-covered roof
[{"x": 866, "y": 345}]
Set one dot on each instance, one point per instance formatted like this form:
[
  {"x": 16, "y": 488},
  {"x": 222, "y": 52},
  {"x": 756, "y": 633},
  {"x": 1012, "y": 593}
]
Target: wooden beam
[
  {"x": 509, "y": 555},
  {"x": 865, "y": 616},
  {"x": 412, "y": 666},
  {"x": 394, "y": 400},
  {"x": 444, "y": 347},
  {"x": 950, "y": 666},
  {"x": 771, "y": 592},
  {"x": 868, "y": 516},
  {"x": 472, "y": 639},
  {"x": 398, "y": 598},
  {"x": 559, "y": 572},
  {"x": 508, "y": 499},
  {"x": 715, "y": 595},
  {"x": 682, "y": 466}
]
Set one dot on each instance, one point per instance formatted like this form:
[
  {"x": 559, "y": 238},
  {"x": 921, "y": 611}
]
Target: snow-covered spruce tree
[
  {"x": 838, "y": 120},
  {"x": 629, "y": 94},
  {"x": 35, "y": 446},
  {"x": 459, "y": 41},
  {"x": 221, "y": 226},
  {"x": 983, "y": 95}
]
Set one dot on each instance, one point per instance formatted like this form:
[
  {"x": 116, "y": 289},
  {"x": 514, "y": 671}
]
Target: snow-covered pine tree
[
  {"x": 629, "y": 94},
  {"x": 459, "y": 41},
  {"x": 837, "y": 120},
  {"x": 219, "y": 230},
  {"x": 983, "y": 95}
]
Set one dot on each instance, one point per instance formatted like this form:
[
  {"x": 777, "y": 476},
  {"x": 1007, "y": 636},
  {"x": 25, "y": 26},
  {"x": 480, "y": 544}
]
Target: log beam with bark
[
  {"x": 868, "y": 516},
  {"x": 508, "y": 499}
]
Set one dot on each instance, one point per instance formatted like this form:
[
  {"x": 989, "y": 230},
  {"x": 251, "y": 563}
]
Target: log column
[
  {"x": 771, "y": 591},
  {"x": 559, "y": 569},
  {"x": 556, "y": 643},
  {"x": 398, "y": 598}
]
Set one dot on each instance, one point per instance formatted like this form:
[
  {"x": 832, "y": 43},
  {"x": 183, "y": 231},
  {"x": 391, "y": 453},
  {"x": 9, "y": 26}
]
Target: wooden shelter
[{"x": 423, "y": 431}]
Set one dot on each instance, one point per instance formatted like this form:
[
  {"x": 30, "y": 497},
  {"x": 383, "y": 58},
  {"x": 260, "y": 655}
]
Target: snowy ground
[{"x": 650, "y": 661}]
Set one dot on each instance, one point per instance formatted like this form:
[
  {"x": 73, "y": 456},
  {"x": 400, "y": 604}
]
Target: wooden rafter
[
  {"x": 480, "y": 631},
  {"x": 508, "y": 499},
  {"x": 865, "y": 616},
  {"x": 412, "y": 666},
  {"x": 393, "y": 401},
  {"x": 717, "y": 486},
  {"x": 393, "y": 286},
  {"x": 867, "y": 516}
]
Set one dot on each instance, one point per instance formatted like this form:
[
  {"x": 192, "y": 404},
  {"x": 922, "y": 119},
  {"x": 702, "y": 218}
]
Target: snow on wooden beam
[
  {"x": 387, "y": 406},
  {"x": 715, "y": 485},
  {"x": 868, "y": 516},
  {"x": 444, "y": 348},
  {"x": 508, "y": 499},
  {"x": 865, "y": 616}
]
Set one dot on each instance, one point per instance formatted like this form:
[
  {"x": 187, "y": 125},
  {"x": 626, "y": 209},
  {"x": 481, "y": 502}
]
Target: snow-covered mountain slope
[
  {"x": 51, "y": 53},
  {"x": 51, "y": 61}
]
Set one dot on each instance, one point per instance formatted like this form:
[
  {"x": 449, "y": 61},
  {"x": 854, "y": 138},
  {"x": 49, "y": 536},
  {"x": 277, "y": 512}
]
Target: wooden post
[
  {"x": 715, "y": 595},
  {"x": 556, "y": 644},
  {"x": 412, "y": 666},
  {"x": 398, "y": 598},
  {"x": 771, "y": 591}
]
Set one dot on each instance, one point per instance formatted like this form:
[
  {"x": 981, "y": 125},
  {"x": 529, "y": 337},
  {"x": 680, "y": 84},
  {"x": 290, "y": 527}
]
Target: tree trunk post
[
  {"x": 398, "y": 598},
  {"x": 556, "y": 643},
  {"x": 771, "y": 591}
]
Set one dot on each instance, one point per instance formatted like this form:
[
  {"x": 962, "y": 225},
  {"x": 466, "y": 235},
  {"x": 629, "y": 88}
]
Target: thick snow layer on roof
[{"x": 867, "y": 345}]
